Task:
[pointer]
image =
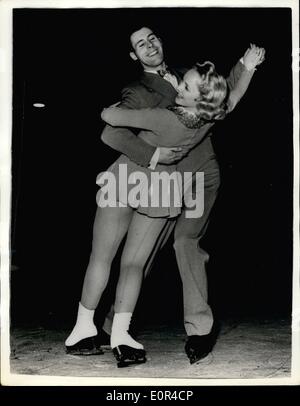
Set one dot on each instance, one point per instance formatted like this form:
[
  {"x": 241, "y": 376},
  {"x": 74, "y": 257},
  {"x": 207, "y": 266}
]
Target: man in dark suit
[{"x": 157, "y": 88}]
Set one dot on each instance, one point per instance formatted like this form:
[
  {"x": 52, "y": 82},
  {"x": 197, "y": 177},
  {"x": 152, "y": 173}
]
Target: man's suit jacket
[{"x": 153, "y": 91}]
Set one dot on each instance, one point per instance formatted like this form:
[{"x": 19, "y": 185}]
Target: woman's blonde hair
[{"x": 213, "y": 92}]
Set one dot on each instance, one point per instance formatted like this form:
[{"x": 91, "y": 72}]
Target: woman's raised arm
[{"x": 253, "y": 56}]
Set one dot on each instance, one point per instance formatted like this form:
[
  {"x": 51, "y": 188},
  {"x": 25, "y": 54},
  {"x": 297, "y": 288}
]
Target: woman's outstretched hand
[{"x": 253, "y": 57}]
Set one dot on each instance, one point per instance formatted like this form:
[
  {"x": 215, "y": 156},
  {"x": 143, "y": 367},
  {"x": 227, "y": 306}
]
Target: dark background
[{"x": 76, "y": 62}]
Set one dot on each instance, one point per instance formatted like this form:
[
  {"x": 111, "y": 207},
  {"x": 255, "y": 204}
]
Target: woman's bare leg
[
  {"x": 163, "y": 238},
  {"x": 110, "y": 227},
  {"x": 142, "y": 236}
]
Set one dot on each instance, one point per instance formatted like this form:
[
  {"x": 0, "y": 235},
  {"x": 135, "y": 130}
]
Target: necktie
[
  {"x": 162, "y": 72},
  {"x": 169, "y": 77}
]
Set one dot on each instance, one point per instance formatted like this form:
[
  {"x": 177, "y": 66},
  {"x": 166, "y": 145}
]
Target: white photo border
[{"x": 6, "y": 11}]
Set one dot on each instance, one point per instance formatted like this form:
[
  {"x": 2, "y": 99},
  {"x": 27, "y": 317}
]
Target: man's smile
[{"x": 153, "y": 53}]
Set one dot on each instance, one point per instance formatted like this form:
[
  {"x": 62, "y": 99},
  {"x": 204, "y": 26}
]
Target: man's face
[{"x": 147, "y": 48}]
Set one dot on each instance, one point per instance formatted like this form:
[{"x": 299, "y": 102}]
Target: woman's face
[{"x": 188, "y": 89}]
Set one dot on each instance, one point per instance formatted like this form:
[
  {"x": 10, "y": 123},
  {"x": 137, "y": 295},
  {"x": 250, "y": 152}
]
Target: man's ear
[{"x": 133, "y": 56}]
